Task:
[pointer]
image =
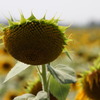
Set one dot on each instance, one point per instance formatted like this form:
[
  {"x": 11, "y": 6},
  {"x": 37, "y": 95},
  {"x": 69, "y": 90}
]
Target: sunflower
[
  {"x": 91, "y": 82},
  {"x": 10, "y": 95},
  {"x": 6, "y": 63},
  {"x": 34, "y": 41}
]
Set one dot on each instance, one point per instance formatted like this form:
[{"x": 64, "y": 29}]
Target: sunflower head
[
  {"x": 34, "y": 41},
  {"x": 91, "y": 81}
]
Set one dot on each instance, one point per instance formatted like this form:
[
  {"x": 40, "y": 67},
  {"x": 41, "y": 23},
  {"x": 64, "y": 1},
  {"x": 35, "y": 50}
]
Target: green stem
[{"x": 45, "y": 80}]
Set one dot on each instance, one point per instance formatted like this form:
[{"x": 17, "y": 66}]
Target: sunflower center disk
[{"x": 34, "y": 42}]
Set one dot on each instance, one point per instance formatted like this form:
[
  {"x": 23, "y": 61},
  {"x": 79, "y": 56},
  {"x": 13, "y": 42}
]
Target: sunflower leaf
[
  {"x": 68, "y": 55},
  {"x": 61, "y": 91},
  {"x": 62, "y": 73},
  {"x": 25, "y": 97},
  {"x": 40, "y": 96},
  {"x": 19, "y": 67}
]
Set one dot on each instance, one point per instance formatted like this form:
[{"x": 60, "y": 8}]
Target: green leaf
[
  {"x": 68, "y": 55},
  {"x": 25, "y": 97},
  {"x": 40, "y": 96},
  {"x": 62, "y": 73},
  {"x": 60, "y": 91},
  {"x": 19, "y": 67}
]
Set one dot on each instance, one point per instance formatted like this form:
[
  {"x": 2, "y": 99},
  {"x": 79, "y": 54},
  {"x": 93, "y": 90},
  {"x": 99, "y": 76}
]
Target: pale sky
[{"x": 70, "y": 11}]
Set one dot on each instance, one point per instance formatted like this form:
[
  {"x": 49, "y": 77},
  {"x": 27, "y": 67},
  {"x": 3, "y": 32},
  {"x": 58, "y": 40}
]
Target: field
[{"x": 84, "y": 49}]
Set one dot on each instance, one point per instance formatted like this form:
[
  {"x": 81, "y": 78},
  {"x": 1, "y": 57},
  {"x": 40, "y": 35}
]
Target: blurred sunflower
[
  {"x": 91, "y": 83},
  {"x": 10, "y": 95},
  {"x": 6, "y": 63},
  {"x": 34, "y": 41}
]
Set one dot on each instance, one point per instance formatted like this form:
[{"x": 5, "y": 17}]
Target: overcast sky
[{"x": 70, "y": 11}]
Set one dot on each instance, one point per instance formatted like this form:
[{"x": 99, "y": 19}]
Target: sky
[{"x": 69, "y": 11}]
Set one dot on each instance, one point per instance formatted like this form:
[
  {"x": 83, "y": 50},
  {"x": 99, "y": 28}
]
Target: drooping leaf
[
  {"x": 62, "y": 73},
  {"x": 25, "y": 97},
  {"x": 60, "y": 91},
  {"x": 40, "y": 96},
  {"x": 19, "y": 67}
]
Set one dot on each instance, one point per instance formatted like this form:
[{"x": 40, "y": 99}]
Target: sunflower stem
[{"x": 44, "y": 80}]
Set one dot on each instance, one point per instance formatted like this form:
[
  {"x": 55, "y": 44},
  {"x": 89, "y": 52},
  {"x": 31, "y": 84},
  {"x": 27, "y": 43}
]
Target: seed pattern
[{"x": 34, "y": 43}]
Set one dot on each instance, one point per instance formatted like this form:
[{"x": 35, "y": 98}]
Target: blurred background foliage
[{"x": 84, "y": 49}]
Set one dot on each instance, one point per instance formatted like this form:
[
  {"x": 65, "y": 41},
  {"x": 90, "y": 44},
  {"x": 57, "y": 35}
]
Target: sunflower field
[{"x": 50, "y": 45}]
